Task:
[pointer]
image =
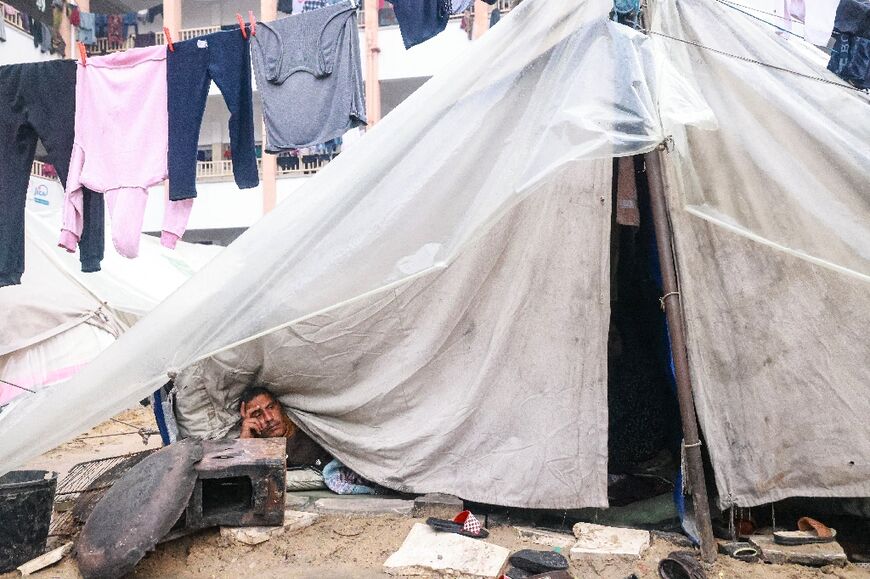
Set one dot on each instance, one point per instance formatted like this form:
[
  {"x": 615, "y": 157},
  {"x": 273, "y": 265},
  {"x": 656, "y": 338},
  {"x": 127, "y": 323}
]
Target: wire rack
[{"x": 83, "y": 487}]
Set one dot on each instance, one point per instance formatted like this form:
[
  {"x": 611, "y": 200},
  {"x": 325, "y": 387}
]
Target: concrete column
[
  {"x": 481, "y": 17},
  {"x": 172, "y": 18},
  {"x": 373, "y": 85},
  {"x": 268, "y": 12},
  {"x": 68, "y": 33},
  {"x": 217, "y": 151}
]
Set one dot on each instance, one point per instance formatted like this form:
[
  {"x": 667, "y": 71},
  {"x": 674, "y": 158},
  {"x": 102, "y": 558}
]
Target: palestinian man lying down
[{"x": 264, "y": 417}]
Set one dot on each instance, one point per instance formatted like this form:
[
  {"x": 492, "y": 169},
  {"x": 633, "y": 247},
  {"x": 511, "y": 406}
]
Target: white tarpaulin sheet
[
  {"x": 434, "y": 184},
  {"x": 771, "y": 216}
]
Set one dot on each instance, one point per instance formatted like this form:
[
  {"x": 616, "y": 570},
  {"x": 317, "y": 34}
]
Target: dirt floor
[{"x": 342, "y": 547}]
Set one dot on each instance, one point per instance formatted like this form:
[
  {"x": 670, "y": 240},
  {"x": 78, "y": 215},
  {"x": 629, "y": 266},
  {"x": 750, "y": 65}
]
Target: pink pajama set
[{"x": 120, "y": 148}]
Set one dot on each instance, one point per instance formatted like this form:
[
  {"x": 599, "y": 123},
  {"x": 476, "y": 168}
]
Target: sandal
[
  {"x": 463, "y": 524},
  {"x": 810, "y": 531}
]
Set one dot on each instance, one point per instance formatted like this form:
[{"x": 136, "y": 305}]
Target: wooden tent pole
[{"x": 672, "y": 304}]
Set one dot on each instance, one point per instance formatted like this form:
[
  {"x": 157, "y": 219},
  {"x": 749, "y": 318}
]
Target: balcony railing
[
  {"x": 102, "y": 45},
  {"x": 38, "y": 170},
  {"x": 15, "y": 20},
  {"x": 287, "y": 167}
]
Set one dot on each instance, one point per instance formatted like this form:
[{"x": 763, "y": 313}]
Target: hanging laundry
[
  {"x": 101, "y": 23},
  {"x": 86, "y": 31},
  {"x": 313, "y": 5},
  {"x": 154, "y": 12},
  {"x": 128, "y": 20},
  {"x": 310, "y": 62},
  {"x": 114, "y": 30},
  {"x": 459, "y": 6},
  {"x": 850, "y": 59},
  {"x": 58, "y": 44},
  {"x": 853, "y": 17},
  {"x": 44, "y": 37},
  {"x": 494, "y": 17},
  {"x": 420, "y": 20},
  {"x": 120, "y": 146},
  {"x": 285, "y": 6},
  {"x": 223, "y": 57},
  {"x": 37, "y": 101},
  {"x": 145, "y": 39},
  {"x": 75, "y": 16}
]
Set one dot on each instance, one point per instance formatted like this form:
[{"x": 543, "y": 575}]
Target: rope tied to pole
[{"x": 665, "y": 297}]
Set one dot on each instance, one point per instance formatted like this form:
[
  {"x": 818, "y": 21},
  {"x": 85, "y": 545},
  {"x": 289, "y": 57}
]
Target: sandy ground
[{"x": 342, "y": 547}]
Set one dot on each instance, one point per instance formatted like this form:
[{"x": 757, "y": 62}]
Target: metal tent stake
[{"x": 672, "y": 305}]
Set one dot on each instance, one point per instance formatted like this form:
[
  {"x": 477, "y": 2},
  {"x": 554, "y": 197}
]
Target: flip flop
[
  {"x": 681, "y": 565},
  {"x": 810, "y": 531},
  {"x": 463, "y": 524}
]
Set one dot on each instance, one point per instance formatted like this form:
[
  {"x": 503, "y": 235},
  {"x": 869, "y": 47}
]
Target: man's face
[{"x": 270, "y": 414}]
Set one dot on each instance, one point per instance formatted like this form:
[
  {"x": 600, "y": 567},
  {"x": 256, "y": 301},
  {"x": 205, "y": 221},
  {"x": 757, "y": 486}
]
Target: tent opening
[{"x": 644, "y": 420}]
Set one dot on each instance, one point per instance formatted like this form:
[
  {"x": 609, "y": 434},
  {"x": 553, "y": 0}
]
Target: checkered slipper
[{"x": 463, "y": 524}]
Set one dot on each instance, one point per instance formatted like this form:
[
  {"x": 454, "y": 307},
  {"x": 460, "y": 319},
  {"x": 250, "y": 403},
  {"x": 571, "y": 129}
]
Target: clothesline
[{"x": 151, "y": 131}]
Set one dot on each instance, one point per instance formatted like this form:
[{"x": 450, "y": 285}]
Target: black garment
[
  {"x": 222, "y": 57},
  {"x": 420, "y": 20},
  {"x": 37, "y": 100},
  {"x": 853, "y": 17},
  {"x": 285, "y": 6},
  {"x": 302, "y": 451},
  {"x": 145, "y": 39},
  {"x": 153, "y": 12}
]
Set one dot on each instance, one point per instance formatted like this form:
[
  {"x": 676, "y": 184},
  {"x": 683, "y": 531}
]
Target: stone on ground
[
  {"x": 598, "y": 540},
  {"x": 293, "y": 521},
  {"x": 547, "y": 538},
  {"x": 438, "y": 505},
  {"x": 363, "y": 505},
  {"x": 427, "y": 552},
  {"x": 814, "y": 555}
]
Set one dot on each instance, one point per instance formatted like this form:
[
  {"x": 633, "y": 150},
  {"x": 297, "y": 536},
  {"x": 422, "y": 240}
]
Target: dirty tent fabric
[
  {"x": 775, "y": 279},
  {"x": 385, "y": 231}
]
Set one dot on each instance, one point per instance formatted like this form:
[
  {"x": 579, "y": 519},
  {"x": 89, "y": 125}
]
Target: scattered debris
[
  {"x": 426, "y": 550},
  {"x": 608, "y": 541},
  {"x": 139, "y": 509},
  {"x": 681, "y": 565},
  {"x": 813, "y": 555},
  {"x": 293, "y": 521},
  {"x": 516, "y": 573},
  {"x": 298, "y": 502},
  {"x": 45, "y": 560},
  {"x": 678, "y": 539},
  {"x": 438, "y": 505},
  {"x": 547, "y": 538},
  {"x": 536, "y": 562},
  {"x": 364, "y": 506},
  {"x": 740, "y": 550}
]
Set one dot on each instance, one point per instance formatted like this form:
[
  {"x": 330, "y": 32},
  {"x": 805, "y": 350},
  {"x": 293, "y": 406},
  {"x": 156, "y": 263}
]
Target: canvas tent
[
  {"x": 433, "y": 306},
  {"x": 59, "y": 318}
]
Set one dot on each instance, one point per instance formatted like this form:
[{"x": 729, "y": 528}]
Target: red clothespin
[
  {"x": 168, "y": 39},
  {"x": 253, "y": 20},
  {"x": 83, "y": 53},
  {"x": 242, "y": 25}
]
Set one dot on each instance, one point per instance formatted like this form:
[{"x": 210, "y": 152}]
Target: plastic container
[{"x": 26, "y": 499}]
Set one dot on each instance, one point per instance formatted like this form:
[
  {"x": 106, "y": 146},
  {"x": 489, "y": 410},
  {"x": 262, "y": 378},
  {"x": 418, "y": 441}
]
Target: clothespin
[
  {"x": 242, "y": 25},
  {"x": 253, "y": 20},
  {"x": 83, "y": 53},
  {"x": 168, "y": 39}
]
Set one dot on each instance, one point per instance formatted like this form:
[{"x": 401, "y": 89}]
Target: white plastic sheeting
[
  {"x": 516, "y": 115},
  {"x": 771, "y": 215},
  {"x": 416, "y": 307},
  {"x": 59, "y": 318}
]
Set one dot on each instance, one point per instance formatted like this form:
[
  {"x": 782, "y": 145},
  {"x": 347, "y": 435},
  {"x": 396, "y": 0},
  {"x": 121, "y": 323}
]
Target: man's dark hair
[{"x": 252, "y": 392}]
